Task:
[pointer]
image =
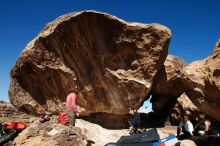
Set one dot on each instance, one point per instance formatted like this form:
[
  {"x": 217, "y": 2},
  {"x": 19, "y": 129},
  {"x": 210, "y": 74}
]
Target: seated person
[
  {"x": 186, "y": 128},
  {"x": 135, "y": 121},
  {"x": 203, "y": 127}
]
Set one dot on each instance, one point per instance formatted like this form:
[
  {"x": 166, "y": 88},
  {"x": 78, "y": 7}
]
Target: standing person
[
  {"x": 68, "y": 117},
  {"x": 135, "y": 121},
  {"x": 71, "y": 109},
  {"x": 186, "y": 127}
]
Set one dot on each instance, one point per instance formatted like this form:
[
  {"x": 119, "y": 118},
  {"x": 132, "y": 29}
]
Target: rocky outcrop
[
  {"x": 47, "y": 134},
  {"x": 184, "y": 107},
  {"x": 202, "y": 82},
  {"x": 186, "y": 142},
  {"x": 9, "y": 114},
  {"x": 167, "y": 85},
  {"x": 113, "y": 63}
]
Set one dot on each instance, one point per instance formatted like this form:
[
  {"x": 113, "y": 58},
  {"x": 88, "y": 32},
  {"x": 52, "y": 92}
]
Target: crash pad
[{"x": 168, "y": 141}]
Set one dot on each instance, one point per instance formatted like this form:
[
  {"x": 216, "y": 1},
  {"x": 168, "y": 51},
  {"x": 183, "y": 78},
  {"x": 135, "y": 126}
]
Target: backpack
[
  {"x": 63, "y": 119},
  {"x": 18, "y": 126}
]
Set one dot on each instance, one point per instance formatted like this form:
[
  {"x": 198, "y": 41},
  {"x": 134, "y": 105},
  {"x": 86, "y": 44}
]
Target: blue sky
[{"x": 195, "y": 24}]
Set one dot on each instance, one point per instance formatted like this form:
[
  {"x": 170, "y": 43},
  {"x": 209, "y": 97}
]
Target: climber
[
  {"x": 68, "y": 117},
  {"x": 186, "y": 128},
  {"x": 135, "y": 121}
]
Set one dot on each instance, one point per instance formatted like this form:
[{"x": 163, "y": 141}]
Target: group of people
[{"x": 184, "y": 130}]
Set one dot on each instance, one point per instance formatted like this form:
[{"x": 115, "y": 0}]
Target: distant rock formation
[
  {"x": 9, "y": 114},
  {"x": 202, "y": 82},
  {"x": 113, "y": 62}
]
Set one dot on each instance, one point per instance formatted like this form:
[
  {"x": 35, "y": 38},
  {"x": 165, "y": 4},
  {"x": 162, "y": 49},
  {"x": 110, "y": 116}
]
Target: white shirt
[{"x": 187, "y": 126}]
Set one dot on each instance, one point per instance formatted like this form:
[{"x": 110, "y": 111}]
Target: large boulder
[
  {"x": 167, "y": 85},
  {"x": 202, "y": 82},
  {"x": 113, "y": 62}
]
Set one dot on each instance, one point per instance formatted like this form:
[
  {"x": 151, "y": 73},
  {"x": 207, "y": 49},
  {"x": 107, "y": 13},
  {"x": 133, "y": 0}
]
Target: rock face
[
  {"x": 167, "y": 85},
  {"x": 113, "y": 63},
  {"x": 202, "y": 82},
  {"x": 48, "y": 134},
  {"x": 184, "y": 107}
]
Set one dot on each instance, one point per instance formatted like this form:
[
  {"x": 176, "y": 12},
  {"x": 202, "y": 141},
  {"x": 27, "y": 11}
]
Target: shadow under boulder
[{"x": 111, "y": 121}]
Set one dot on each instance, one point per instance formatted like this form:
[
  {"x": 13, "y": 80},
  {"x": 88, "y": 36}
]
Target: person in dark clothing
[{"x": 135, "y": 121}]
